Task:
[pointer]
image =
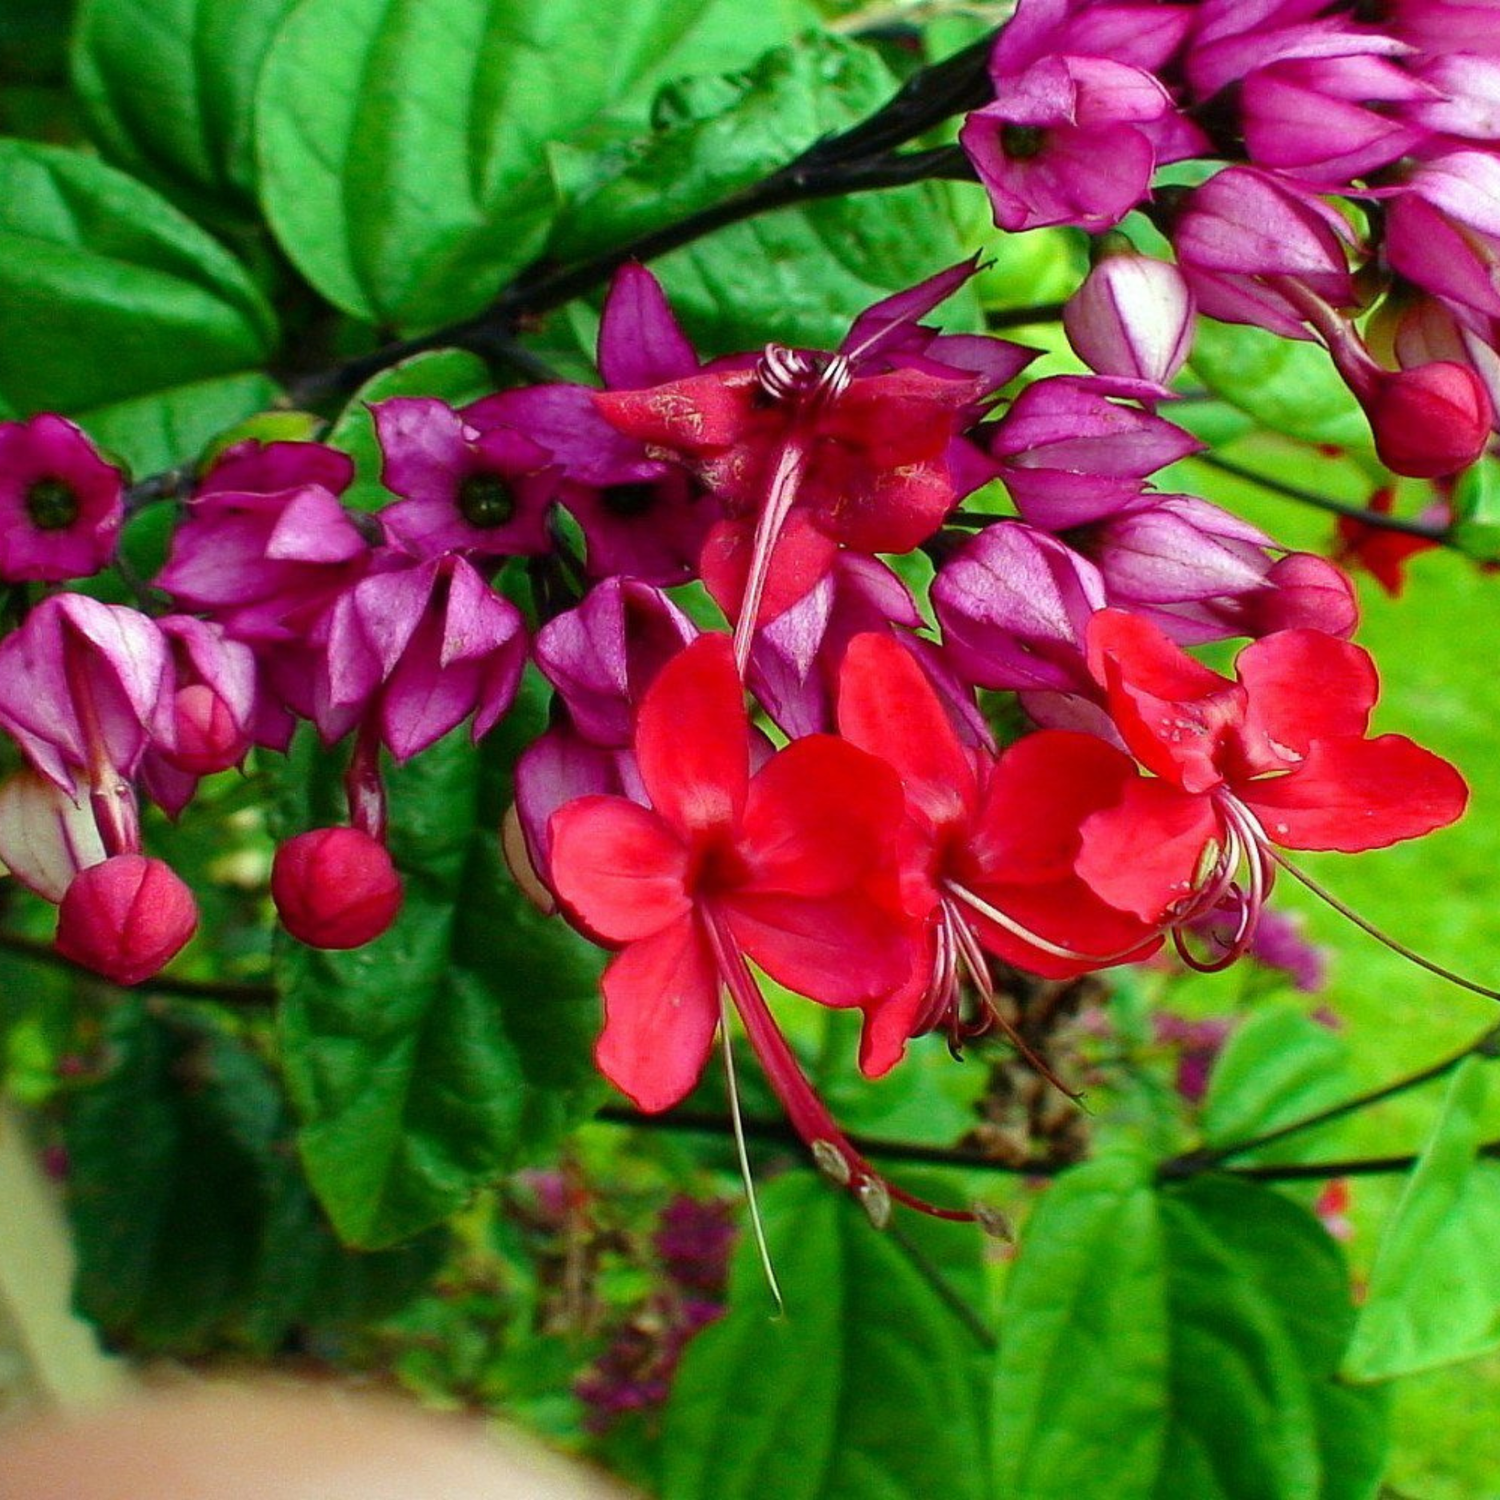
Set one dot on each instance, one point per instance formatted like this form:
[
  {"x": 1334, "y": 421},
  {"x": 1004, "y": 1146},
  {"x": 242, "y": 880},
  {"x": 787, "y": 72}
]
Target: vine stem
[
  {"x": 864, "y": 158},
  {"x": 777, "y": 1132},
  {"x": 1426, "y": 530},
  {"x": 1191, "y": 1163},
  {"x": 228, "y": 992}
]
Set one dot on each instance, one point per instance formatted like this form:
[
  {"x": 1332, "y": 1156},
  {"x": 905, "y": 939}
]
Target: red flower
[
  {"x": 794, "y": 867},
  {"x": 805, "y": 456},
  {"x": 989, "y": 844},
  {"x": 1382, "y": 553},
  {"x": 1277, "y": 757}
]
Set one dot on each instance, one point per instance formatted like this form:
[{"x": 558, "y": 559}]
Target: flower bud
[
  {"x": 335, "y": 887},
  {"x": 1133, "y": 317},
  {"x": 126, "y": 918},
  {"x": 46, "y": 836},
  {"x": 1431, "y": 420}
]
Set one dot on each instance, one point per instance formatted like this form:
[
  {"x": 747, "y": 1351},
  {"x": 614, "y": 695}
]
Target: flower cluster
[
  {"x": 1350, "y": 170},
  {"x": 814, "y": 792}
]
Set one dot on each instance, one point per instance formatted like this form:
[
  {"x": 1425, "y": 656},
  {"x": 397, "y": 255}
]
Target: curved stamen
[
  {"x": 979, "y": 971},
  {"x": 1245, "y": 844}
]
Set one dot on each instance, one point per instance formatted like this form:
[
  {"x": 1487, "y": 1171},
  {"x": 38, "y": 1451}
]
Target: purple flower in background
[
  {"x": 795, "y": 661},
  {"x": 61, "y": 505},
  {"x": 468, "y": 482},
  {"x": 1244, "y": 234},
  {"x": 1074, "y": 140},
  {"x": 601, "y": 658}
]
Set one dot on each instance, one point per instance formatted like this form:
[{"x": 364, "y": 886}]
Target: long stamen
[
  {"x": 1026, "y": 935},
  {"x": 809, "y": 1116},
  {"x": 746, "y": 1176},
  {"x": 979, "y": 971},
  {"x": 781, "y": 496},
  {"x": 1327, "y": 896}
]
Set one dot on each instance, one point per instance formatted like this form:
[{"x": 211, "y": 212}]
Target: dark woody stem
[
  {"x": 1423, "y": 529},
  {"x": 862, "y": 159},
  {"x": 1192, "y": 1163}
]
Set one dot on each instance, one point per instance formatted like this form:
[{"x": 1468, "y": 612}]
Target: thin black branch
[
  {"x": 227, "y": 992},
  {"x": 1018, "y": 317},
  {"x": 1191, "y": 1163},
  {"x": 1426, "y": 530},
  {"x": 544, "y": 287}
]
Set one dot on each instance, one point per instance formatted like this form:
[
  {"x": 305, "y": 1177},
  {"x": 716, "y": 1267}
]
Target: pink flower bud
[
  {"x": 126, "y": 918},
  {"x": 1431, "y": 420},
  {"x": 335, "y": 887},
  {"x": 209, "y": 738},
  {"x": 1133, "y": 317}
]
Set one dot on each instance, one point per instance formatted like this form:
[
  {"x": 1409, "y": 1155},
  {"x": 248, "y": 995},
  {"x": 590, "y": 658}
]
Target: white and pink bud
[
  {"x": 46, "y": 836},
  {"x": 126, "y": 918},
  {"x": 335, "y": 887},
  {"x": 1132, "y": 317}
]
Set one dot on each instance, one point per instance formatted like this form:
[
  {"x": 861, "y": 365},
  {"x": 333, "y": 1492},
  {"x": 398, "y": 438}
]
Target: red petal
[
  {"x": 1142, "y": 854},
  {"x": 619, "y": 867},
  {"x": 692, "y": 738},
  {"x": 1358, "y": 794},
  {"x": 800, "y": 556},
  {"x": 878, "y": 510},
  {"x": 897, "y": 419},
  {"x": 700, "y": 415},
  {"x": 1041, "y": 790},
  {"x": 888, "y": 707},
  {"x": 840, "y": 950},
  {"x": 1173, "y": 712},
  {"x": 661, "y": 1006},
  {"x": 892, "y": 1020},
  {"x": 821, "y": 817},
  {"x": 1303, "y": 686}
]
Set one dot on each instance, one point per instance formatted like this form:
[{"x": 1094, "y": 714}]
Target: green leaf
[
  {"x": 167, "y": 88},
  {"x": 193, "y": 1226},
  {"x": 107, "y": 293},
  {"x": 1435, "y": 1286},
  {"x": 457, "y": 1046},
  {"x": 807, "y": 272},
  {"x": 1209, "y": 1318},
  {"x": 1258, "y": 1296},
  {"x": 169, "y": 427},
  {"x": 1288, "y": 386},
  {"x": 1087, "y": 1289},
  {"x": 714, "y": 136},
  {"x": 448, "y": 374},
  {"x": 402, "y": 142},
  {"x": 870, "y": 1387},
  {"x": 1279, "y": 1067},
  {"x": 1476, "y": 511}
]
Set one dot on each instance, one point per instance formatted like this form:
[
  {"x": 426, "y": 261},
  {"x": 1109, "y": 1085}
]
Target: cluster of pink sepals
[
  {"x": 887, "y": 850},
  {"x": 1393, "y": 106}
]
